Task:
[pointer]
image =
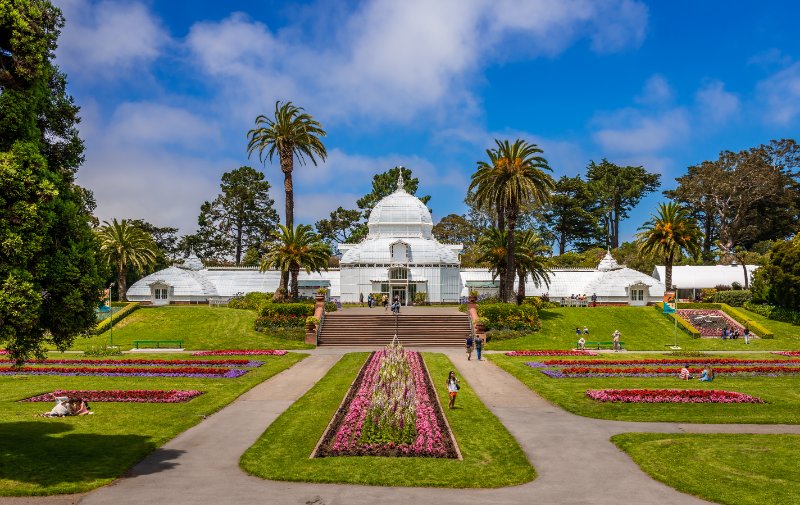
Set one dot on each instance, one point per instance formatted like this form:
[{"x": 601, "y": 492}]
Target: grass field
[
  {"x": 728, "y": 469},
  {"x": 781, "y": 394},
  {"x": 199, "y": 327},
  {"x": 40, "y": 456},
  {"x": 642, "y": 328},
  {"x": 492, "y": 457}
]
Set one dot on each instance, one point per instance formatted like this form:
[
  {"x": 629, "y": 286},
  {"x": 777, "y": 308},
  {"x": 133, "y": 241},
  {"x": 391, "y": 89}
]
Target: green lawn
[
  {"x": 642, "y": 328},
  {"x": 729, "y": 469},
  {"x": 492, "y": 457},
  {"x": 200, "y": 327},
  {"x": 40, "y": 456},
  {"x": 781, "y": 394}
]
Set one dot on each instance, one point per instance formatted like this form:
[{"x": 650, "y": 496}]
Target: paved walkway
[{"x": 574, "y": 460}]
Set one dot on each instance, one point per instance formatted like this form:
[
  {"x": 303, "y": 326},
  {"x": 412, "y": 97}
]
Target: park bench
[
  {"x": 599, "y": 345},
  {"x": 157, "y": 343}
]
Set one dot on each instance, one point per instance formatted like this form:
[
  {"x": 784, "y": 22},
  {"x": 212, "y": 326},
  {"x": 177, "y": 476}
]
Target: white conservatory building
[{"x": 399, "y": 257}]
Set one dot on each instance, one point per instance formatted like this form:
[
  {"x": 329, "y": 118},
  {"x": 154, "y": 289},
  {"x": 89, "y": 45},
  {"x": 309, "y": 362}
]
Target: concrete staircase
[{"x": 419, "y": 328}]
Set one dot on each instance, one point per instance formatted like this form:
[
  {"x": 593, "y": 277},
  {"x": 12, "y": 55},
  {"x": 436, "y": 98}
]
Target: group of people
[
  {"x": 69, "y": 406},
  {"x": 616, "y": 345},
  {"x": 734, "y": 333},
  {"x": 474, "y": 344},
  {"x": 581, "y": 300},
  {"x": 707, "y": 375},
  {"x": 374, "y": 300}
]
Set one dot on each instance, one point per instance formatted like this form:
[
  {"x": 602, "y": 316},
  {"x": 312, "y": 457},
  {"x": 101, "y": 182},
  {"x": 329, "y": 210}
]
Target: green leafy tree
[
  {"x": 532, "y": 258},
  {"x": 341, "y": 226},
  {"x": 240, "y": 217},
  {"x": 514, "y": 176},
  {"x": 51, "y": 276},
  {"x": 297, "y": 248},
  {"x": 455, "y": 229},
  {"x": 384, "y": 184},
  {"x": 165, "y": 239},
  {"x": 291, "y": 133},
  {"x": 616, "y": 191},
  {"x": 586, "y": 259},
  {"x": 778, "y": 282},
  {"x": 125, "y": 245},
  {"x": 669, "y": 234},
  {"x": 492, "y": 251},
  {"x": 569, "y": 214}
]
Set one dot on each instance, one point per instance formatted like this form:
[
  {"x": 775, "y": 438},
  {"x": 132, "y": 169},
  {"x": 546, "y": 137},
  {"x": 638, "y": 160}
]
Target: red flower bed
[
  {"x": 135, "y": 396},
  {"x": 240, "y": 352},
  {"x": 670, "y": 396},
  {"x": 551, "y": 353},
  {"x": 788, "y": 353},
  {"x": 667, "y": 361}
]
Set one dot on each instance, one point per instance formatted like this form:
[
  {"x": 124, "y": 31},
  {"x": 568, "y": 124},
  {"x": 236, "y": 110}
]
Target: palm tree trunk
[
  {"x": 295, "y": 285},
  {"x": 510, "y": 266},
  {"x": 122, "y": 274},
  {"x": 746, "y": 280},
  {"x": 285, "y": 282},
  {"x": 287, "y": 166},
  {"x": 668, "y": 274},
  {"x": 521, "y": 277}
]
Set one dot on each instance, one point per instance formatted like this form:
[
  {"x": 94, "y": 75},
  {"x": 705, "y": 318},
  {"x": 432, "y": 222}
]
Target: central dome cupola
[{"x": 400, "y": 214}]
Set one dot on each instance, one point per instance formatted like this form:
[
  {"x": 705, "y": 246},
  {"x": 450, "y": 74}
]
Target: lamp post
[
  {"x": 676, "y": 347},
  {"x": 111, "y": 317}
]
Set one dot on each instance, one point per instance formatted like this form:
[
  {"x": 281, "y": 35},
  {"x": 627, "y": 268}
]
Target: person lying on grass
[{"x": 68, "y": 407}]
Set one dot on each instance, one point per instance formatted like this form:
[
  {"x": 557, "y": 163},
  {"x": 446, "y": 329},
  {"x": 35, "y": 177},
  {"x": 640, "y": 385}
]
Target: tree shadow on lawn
[{"x": 38, "y": 453}]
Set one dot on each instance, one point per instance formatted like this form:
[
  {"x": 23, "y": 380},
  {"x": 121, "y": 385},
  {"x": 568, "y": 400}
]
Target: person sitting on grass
[
  {"x": 79, "y": 407},
  {"x": 707, "y": 375},
  {"x": 685, "y": 375}
]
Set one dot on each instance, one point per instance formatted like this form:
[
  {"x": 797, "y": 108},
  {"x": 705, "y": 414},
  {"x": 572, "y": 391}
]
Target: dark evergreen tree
[{"x": 569, "y": 214}]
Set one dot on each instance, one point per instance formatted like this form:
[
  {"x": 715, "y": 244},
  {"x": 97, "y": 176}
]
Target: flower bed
[
  {"x": 714, "y": 321},
  {"x": 670, "y": 396},
  {"x": 390, "y": 410},
  {"x": 194, "y": 372},
  {"x": 150, "y": 362},
  {"x": 787, "y": 353},
  {"x": 134, "y": 396},
  {"x": 591, "y": 372},
  {"x": 240, "y": 352},
  {"x": 551, "y": 353},
  {"x": 669, "y": 361}
]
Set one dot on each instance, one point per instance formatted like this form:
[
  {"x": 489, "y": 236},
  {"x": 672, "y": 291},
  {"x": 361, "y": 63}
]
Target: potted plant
[
  {"x": 321, "y": 292},
  {"x": 481, "y": 324},
  {"x": 311, "y": 323},
  {"x": 473, "y": 296}
]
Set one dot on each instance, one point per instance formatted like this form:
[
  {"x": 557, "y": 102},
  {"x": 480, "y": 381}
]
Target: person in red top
[{"x": 685, "y": 375}]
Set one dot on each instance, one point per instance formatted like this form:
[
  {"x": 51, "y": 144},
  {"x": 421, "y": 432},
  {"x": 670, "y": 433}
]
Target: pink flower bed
[
  {"x": 670, "y": 396},
  {"x": 551, "y": 353},
  {"x": 343, "y": 437},
  {"x": 240, "y": 352},
  {"x": 787, "y": 353},
  {"x": 150, "y": 362},
  {"x": 134, "y": 396},
  {"x": 668, "y": 361},
  {"x": 717, "y": 322},
  {"x": 127, "y": 371}
]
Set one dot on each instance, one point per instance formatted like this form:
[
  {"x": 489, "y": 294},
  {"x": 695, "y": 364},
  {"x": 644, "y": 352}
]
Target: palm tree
[
  {"x": 669, "y": 234},
  {"x": 291, "y": 133},
  {"x": 531, "y": 258},
  {"x": 513, "y": 177},
  {"x": 125, "y": 245},
  {"x": 492, "y": 252},
  {"x": 297, "y": 248}
]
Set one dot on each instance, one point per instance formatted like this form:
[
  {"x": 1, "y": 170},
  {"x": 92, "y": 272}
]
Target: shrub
[
  {"x": 736, "y": 286},
  {"x": 722, "y": 287},
  {"x": 774, "y": 313},
  {"x": 283, "y": 315},
  {"x": 497, "y": 335},
  {"x": 106, "y": 323},
  {"x": 250, "y": 301},
  {"x": 489, "y": 300},
  {"x": 761, "y": 309},
  {"x": 421, "y": 298},
  {"x": 331, "y": 307},
  {"x": 742, "y": 319},
  {"x": 507, "y": 316},
  {"x": 312, "y": 321},
  {"x": 707, "y": 295},
  {"x": 103, "y": 350},
  {"x": 733, "y": 298},
  {"x": 533, "y": 300}
]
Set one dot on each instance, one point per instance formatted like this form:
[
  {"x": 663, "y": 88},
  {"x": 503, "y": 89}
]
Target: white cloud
[
  {"x": 631, "y": 131},
  {"x": 657, "y": 91},
  {"x": 155, "y": 123},
  {"x": 100, "y": 39},
  {"x": 779, "y": 95},
  {"x": 715, "y": 104}
]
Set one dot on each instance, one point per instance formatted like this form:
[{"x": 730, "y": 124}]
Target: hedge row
[
  {"x": 507, "y": 316},
  {"x": 733, "y": 298},
  {"x": 682, "y": 323},
  {"x": 106, "y": 323},
  {"x": 775, "y": 313},
  {"x": 283, "y": 315}
]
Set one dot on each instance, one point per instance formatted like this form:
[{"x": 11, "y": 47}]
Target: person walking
[
  {"x": 615, "y": 340},
  {"x": 361, "y": 299},
  {"x": 594, "y": 299},
  {"x": 385, "y": 301},
  {"x": 470, "y": 346},
  {"x": 369, "y": 300},
  {"x": 452, "y": 388},
  {"x": 746, "y": 335},
  {"x": 478, "y": 346},
  {"x": 581, "y": 344}
]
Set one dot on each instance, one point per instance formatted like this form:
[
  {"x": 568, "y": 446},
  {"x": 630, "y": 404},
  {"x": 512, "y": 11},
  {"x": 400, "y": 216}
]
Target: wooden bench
[
  {"x": 177, "y": 343},
  {"x": 599, "y": 345}
]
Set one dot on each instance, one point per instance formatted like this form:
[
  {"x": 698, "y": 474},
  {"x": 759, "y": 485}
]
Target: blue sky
[{"x": 169, "y": 89}]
